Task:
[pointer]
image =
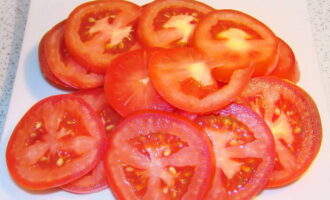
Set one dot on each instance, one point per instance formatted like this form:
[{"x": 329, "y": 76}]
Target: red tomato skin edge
[
  {"x": 90, "y": 190},
  {"x": 317, "y": 128},
  {"x": 44, "y": 186},
  {"x": 46, "y": 71},
  {"x": 112, "y": 184}
]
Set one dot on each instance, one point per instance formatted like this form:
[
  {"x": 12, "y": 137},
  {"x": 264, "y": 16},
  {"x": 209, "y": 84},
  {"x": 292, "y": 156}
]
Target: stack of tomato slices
[{"x": 172, "y": 100}]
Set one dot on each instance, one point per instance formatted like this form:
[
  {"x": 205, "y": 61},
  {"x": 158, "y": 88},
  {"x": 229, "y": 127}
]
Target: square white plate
[{"x": 288, "y": 19}]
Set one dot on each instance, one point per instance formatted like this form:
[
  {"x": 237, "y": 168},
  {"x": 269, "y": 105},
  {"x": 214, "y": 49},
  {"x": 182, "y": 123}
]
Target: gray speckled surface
[{"x": 13, "y": 18}]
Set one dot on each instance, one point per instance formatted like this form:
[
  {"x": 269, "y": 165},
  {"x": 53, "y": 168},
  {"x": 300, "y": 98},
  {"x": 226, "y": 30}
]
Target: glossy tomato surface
[
  {"x": 244, "y": 151},
  {"x": 95, "y": 180},
  {"x": 60, "y": 139},
  {"x": 287, "y": 66},
  {"x": 183, "y": 77},
  {"x": 97, "y": 31},
  {"x": 236, "y": 40},
  {"x": 168, "y": 23},
  {"x": 159, "y": 155},
  {"x": 128, "y": 87},
  {"x": 295, "y": 123},
  {"x": 55, "y": 57}
]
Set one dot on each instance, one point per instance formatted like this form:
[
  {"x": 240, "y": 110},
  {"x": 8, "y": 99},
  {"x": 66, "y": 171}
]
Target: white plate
[{"x": 288, "y": 19}]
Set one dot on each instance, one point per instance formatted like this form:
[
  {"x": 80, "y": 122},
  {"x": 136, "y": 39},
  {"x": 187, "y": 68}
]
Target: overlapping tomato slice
[
  {"x": 59, "y": 67},
  {"x": 97, "y": 31},
  {"x": 294, "y": 121},
  {"x": 58, "y": 140},
  {"x": 244, "y": 150},
  {"x": 236, "y": 40},
  {"x": 158, "y": 155},
  {"x": 128, "y": 87},
  {"x": 182, "y": 76},
  {"x": 95, "y": 180},
  {"x": 168, "y": 23}
]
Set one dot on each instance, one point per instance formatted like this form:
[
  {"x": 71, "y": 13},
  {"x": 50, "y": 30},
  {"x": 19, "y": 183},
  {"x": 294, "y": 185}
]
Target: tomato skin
[
  {"x": 287, "y": 66},
  {"x": 134, "y": 91},
  {"x": 158, "y": 122},
  {"x": 238, "y": 131},
  {"x": 170, "y": 68},
  {"x": 236, "y": 40},
  {"x": 22, "y": 152},
  {"x": 149, "y": 34},
  {"x": 294, "y": 120},
  {"x": 92, "y": 53},
  {"x": 62, "y": 65}
]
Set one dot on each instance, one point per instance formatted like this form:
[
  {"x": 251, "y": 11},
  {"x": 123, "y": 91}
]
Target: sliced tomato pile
[{"x": 170, "y": 100}]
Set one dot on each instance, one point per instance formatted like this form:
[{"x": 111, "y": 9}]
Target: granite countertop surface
[{"x": 13, "y": 16}]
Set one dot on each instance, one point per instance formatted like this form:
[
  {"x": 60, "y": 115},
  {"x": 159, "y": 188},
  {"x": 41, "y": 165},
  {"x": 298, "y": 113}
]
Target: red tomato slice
[
  {"x": 236, "y": 40},
  {"x": 57, "y": 141},
  {"x": 62, "y": 65},
  {"x": 95, "y": 180},
  {"x": 182, "y": 76},
  {"x": 168, "y": 23},
  {"x": 128, "y": 87},
  {"x": 97, "y": 31},
  {"x": 294, "y": 121},
  {"x": 46, "y": 71},
  {"x": 287, "y": 67},
  {"x": 158, "y": 155},
  {"x": 244, "y": 150}
]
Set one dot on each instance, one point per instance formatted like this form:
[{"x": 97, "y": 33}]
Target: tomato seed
[
  {"x": 91, "y": 20},
  {"x": 60, "y": 162},
  {"x": 129, "y": 169},
  {"x": 167, "y": 152},
  {"x": 297, "y": 130},
  {"x": 172, "y": 170},
  {"x": 109, "y": 127},
  {"x": 38, "y": 124},
  {"x": 277, "y": 111},
  {"x": 33, "y": 135}
]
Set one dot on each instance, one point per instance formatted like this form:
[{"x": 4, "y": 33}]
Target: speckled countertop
[{"x": 13, "y": 14}]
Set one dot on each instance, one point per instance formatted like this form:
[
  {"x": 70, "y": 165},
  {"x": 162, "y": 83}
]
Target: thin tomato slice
[
  {"x": 45, "y": 68},
  {"x": 128, "y": 87},
  {"x": 294, "y": 121},
  {"x": 97, "y": 31},
  {"x": 168, "y": 23},
  {"x": 236, "y": 40},
  {"x": 62, "y": 65},
  {"x": 287, "y": 66},
  {"x": 60, "y": 139},
  {"x": 158, "y": 155},
  {"x": 182, "y": 76},
  {"x": 244, "y": 151},
  {"x": 95, "y": 180}
]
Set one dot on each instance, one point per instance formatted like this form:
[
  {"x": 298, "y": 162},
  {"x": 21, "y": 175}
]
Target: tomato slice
[
  {"x": 244, "y": 150},
  {"x": 236, "y": 40},
  {"x": 294, "y": 121},
  {"x": 95, "y": 180},
  {"x": 182, "y": 76},
  {"x": 57, "y": 141},
  {"x": 159, "y": 155},
  {"x": 62, "y": 65},
  {"x": 45, "y": 68},
  {"x": 128, "y": 87},
  {"x": 287, "y": 67},
  {"x": 97, "y": 31},
  {"x": 168, "y": 23}
]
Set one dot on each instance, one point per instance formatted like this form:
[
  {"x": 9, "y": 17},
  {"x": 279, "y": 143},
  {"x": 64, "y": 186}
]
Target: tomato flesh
[
  {"x": 158, "y": 155},
  {"x": 294, "y": 121},
  {"x": 134, "y": 91},
  {"x": 236, "y": 40},
  {"x": 183, "y": 77},
  {"x": 244, "y": 149},
  {"x": 58, "y": 140},
  {"x": 98, "y": 31},
  {"x": 169, "y": 23}
]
